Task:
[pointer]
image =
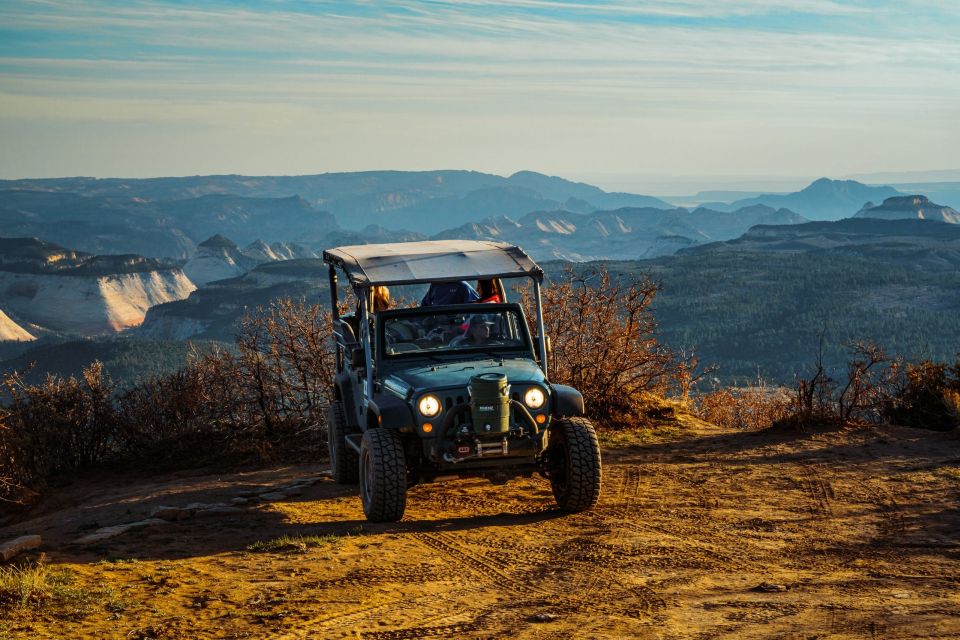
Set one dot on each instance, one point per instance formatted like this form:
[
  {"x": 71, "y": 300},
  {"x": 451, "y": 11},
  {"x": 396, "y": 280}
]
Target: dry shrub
[
  {"x": 266, "y": 399},
  {"x": 286, "y": 353},
  {"x": 190, "y": 412},
  {"x": 875, "y": 389},
  {"x": 603, "y": 334},
  {"x": 927, "y": 395},
  {"x": 821, "y": 400},
  {"x": 748, "y": 408},
  {"x": 54, "y": 427}
]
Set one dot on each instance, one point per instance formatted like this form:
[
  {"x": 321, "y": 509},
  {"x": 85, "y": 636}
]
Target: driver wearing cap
[{"x": 478, "y": 333}]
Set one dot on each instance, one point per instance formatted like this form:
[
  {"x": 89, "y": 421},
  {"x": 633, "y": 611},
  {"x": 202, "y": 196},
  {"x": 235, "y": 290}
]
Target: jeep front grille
[{"x": 449, "y": 402}]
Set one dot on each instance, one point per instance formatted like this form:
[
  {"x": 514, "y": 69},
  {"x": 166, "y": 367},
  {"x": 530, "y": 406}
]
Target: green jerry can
[{"x": 490, "y": 403}]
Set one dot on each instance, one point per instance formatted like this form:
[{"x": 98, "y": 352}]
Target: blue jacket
[{"x": 449, "y": 293}]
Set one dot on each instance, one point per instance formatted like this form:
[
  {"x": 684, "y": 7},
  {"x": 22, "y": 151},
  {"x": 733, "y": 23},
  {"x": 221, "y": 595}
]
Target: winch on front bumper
[{"x": 489, "y": 427}]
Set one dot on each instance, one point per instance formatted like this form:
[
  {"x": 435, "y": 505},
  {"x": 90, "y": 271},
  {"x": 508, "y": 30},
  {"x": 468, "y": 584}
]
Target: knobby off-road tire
[
  {"x": 344, "y": 461},
  {"x": 383, "y": 475},
  {"x": 575, "y": 473}
]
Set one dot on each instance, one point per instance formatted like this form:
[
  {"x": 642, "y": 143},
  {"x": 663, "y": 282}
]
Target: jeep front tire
[
  {"x": 383, "y": 475},
  {"x": 574, "y": 460}
]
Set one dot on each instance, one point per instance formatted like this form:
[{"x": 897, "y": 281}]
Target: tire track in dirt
[
  {"x": 819, "y": 492},
  {"x": 487, "y": 567},
  {"x": 755, "y": 611},
  {"x": 382, "y": 575},
  {"x": 740, "y": 615},
  {"x": 862, "y": 626},
  {"x": 628, "y": 482},
  {"x": 449, "y": 630},
  {"x": 591, "y": 572},
  {"x": 712, "y": 553},
  {"x": 425, "y": 605},
  {"x": 629, "y": 488},
  {"x": 619, "y": 519},
  {"x": 354, "y": 616},
  {"x": 362, "y": 615},
  {"x": 892, "y": 524}
]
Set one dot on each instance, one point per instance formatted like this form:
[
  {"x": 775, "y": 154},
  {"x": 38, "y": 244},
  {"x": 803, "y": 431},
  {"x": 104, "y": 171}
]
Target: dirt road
[{"x": 702, "y": 534}]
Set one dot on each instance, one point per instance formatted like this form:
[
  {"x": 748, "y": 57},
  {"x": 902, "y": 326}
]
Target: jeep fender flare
[
  {"x": 342, "y": 393},
  {"x": 566, "y": 401},
  {"x": 390, "y": 413}
]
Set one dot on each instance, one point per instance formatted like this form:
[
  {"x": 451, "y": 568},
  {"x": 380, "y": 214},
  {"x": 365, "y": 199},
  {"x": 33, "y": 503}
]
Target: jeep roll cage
[{"x": 424, "y": 262}]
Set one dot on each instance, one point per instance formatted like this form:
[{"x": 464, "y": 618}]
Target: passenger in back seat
[{"x": 441, "y": 293}]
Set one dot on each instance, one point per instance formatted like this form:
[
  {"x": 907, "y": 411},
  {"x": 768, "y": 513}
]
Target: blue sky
[{"x": 632, "y": 93}]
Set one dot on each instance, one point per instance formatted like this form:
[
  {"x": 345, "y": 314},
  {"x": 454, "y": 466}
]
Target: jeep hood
[{"x": 457, "y": 375}]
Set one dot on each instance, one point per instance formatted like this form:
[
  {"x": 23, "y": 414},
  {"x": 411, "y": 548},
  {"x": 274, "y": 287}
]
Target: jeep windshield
[{"x": 465, "y": 329}]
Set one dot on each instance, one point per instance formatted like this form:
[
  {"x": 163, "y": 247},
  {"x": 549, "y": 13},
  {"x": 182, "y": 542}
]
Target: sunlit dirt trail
[{"x": 703, "y": 534}]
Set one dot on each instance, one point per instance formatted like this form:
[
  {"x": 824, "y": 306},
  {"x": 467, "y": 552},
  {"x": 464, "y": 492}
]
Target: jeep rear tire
[
  {"x": 344, "y": 462},
  {"x": 575, "y": 471},
  {"x": 383, "y": 475}
]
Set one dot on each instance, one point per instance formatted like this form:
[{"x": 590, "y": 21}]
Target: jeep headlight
[
  {"x": 429, "y": 406},
  {"x": 534, "y": 398}
]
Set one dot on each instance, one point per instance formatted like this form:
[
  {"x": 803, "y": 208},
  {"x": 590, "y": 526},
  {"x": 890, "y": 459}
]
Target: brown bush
[
  {"x": 603, "y": 334},
  {"x": 54, "y": 427},
  {"x": 269, "y": 396},
  {"x": 748, "y": 408},
  {"x": 859, "y": 399},
  {"x": 265, "y": 399},
  {"x": 927, "y": 395}
]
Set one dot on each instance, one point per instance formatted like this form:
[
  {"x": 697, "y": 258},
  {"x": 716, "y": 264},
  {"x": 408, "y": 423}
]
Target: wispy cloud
[{"x": 755, "y": 68}]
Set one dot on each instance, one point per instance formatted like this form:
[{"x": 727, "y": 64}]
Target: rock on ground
[{"x": 18, "y": 545}]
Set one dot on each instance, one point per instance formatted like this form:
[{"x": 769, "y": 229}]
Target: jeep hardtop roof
[{"x": 431, "y": 261}]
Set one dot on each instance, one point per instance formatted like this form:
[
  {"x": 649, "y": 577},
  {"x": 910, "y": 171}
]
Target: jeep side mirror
[{"x": 358, "y": 359}]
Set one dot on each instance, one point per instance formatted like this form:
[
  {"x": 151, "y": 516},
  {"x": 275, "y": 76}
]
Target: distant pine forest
[{"x": 756, "y": 314}]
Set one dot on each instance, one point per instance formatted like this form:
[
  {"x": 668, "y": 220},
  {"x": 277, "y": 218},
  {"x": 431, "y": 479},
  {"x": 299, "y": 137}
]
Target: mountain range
[
  {"x": 10, "y": 331},
  {"x": 422, "y": 201},
  {"x": 106, "y": 224},
  {"x": 213, "y": 311},
  {"x": 161, "y": 261},
  {"x": 823, "y": 199},
  {"x": 170, "y": 217},
  {"x": 628, "y": 233}
]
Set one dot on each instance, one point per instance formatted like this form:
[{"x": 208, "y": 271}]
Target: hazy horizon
[
  {"x": 659, "y": 93},
  {"x": 662, "y": 186}
]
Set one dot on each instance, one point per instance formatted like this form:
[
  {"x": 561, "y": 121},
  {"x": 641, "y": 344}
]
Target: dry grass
[
  {"x": 296, "y": 543},
  {"x": 24, "y": 586},
  {"x": 35, "y": 588}
]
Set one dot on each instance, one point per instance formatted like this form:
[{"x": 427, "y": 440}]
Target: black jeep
[{"x": 439, "y": 391}]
